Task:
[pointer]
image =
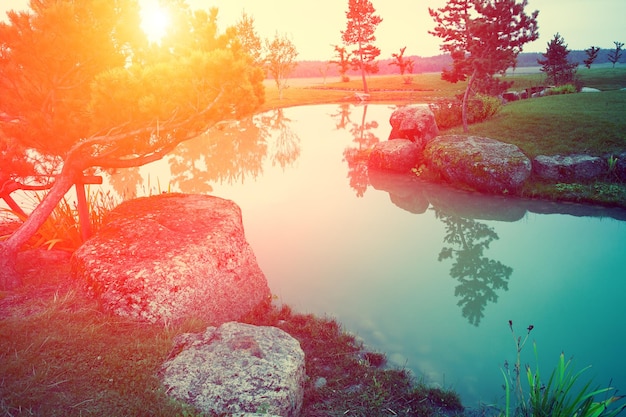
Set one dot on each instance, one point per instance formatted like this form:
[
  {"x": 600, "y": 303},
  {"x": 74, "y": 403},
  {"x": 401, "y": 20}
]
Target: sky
[{"x": 315, "y": 26}]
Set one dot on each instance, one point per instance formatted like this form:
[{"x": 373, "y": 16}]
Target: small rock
[{"x": 237, "y": 369}]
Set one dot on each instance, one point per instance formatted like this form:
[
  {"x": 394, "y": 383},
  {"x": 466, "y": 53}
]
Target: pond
[{"x": 429, "y": 275}]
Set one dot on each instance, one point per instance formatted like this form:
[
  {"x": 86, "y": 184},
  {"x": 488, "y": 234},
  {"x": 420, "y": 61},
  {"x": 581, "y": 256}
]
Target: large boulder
[
  {"x": 415, "y": 123},
  {"x": 171, "y": 256},
  {"x": 237, "y": 368},
  {"x": 569, "y": 168},
  {"x": 484, "y": 164},
  {"x": 398, "y": 155}
]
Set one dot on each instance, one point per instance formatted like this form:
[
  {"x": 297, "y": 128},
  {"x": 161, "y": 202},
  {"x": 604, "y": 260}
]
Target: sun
[{"x": 154, "y": 20}]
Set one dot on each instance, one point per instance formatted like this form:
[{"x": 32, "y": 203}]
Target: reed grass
[{"x": 563, "y": 394}]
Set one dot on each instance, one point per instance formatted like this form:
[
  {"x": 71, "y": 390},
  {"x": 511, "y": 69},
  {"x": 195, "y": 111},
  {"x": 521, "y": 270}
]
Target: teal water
[{"x": 428, "y": 275}]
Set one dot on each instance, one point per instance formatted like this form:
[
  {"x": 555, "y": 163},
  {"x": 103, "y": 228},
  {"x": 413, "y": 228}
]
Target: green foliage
[
  {"x": 562, "y": 395},
  {"x": 483, "y": 39},
  {"x": 555, "y": 64},
  {"x": 448, "y": 112},
  {"x": 562, "y": 89}
]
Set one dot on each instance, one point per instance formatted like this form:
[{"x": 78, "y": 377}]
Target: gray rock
[
  {"x": 171, "y": 256},
  {"x": 589, "y": 90},
  {"x": 569, "y": 168},
  {"x": 415, "y": 123},
  {"x": 483, "y": 164},
  {"x": 399, "y": 155},
  {"x": 237, "y": 369}
]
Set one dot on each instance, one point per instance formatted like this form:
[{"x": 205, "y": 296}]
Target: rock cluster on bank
[{"x": 479, "y": 163}]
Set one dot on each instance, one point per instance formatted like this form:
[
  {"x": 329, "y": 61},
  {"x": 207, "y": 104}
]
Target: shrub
[
  {"x": 562, "y": 89},
  {"x": 449, "y": 112}
]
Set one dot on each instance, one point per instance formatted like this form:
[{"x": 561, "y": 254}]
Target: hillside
[{"x": 310, "y": 69}]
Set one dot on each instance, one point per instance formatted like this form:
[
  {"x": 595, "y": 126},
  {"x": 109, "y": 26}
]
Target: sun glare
[{"x": 154, "y": 20}]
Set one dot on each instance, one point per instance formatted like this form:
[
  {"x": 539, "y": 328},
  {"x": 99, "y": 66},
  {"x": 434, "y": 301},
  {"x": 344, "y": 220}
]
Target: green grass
[
  {"x": 591, "y": 123},
  {"x": 603, "y": 78}
]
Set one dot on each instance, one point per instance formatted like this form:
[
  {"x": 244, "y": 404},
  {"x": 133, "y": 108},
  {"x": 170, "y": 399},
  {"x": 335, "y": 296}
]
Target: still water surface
[{"x": 428, "y": 275}]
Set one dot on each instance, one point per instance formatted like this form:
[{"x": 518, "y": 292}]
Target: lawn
[{"x": 592, "y": 123}]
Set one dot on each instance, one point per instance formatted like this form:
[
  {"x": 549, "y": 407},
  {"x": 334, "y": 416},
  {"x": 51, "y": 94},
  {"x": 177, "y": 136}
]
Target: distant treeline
[{"x": 308, "y": 69}]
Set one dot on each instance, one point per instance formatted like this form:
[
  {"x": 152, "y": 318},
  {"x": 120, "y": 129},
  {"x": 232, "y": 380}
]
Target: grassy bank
[{"x": 60, "y": 355}]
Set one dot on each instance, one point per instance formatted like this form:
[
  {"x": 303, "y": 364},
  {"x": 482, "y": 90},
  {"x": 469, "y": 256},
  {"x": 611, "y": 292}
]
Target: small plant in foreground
[{"x": 559, "y": 397}]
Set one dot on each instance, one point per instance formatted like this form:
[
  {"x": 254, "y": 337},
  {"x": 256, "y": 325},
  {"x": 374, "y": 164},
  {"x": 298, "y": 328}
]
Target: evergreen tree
[
  {"x": 361, "y": 25},
  {"x": 615, "y": 54},
  {"x": 592, "y": 55},
  {"x": 484, "y": 38},
  {"x": 556, "y": 64}
]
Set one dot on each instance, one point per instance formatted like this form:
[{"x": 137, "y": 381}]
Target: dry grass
[{"x": 424, "y": 88}]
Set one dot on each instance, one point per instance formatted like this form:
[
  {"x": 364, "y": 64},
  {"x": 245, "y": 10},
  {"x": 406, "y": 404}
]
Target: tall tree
[
  {"x": 484, "y": 38},
  {"x": 616, "y": 53},
  {"x": 281, "y": 60},
  {"x": 555, "y": 63},
  {"x": 79, "y": 108},
  {"x": 361, "y": 25},
  {"x": 592, "y": 55}
]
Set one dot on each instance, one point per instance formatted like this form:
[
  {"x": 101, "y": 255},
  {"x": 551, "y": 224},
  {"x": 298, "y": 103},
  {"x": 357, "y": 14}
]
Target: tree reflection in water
[
  {"x": 223, "y": 154},
  {"x": 479, "y": 277},
  {"x": 285, "y": 148},
  {"x": 229, "y": 152},
  {"x": 357, "y": 157}
]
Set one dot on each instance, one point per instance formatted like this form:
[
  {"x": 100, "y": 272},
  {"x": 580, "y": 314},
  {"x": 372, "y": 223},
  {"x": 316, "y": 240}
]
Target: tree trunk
[
  {"x": 365, "y": 89},
  {"x": 470, "y": 82},
  {"x": 9, "y": 278}
]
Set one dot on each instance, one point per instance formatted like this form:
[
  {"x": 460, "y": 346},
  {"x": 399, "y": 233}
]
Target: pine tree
[
  {"x": 616, "y": 54},
  {"x": 556, "y": 64},
  {"x": 484, "y": 38},
  {"x": 361, "y": 25},
  {"x": 592, "y": 55}
]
